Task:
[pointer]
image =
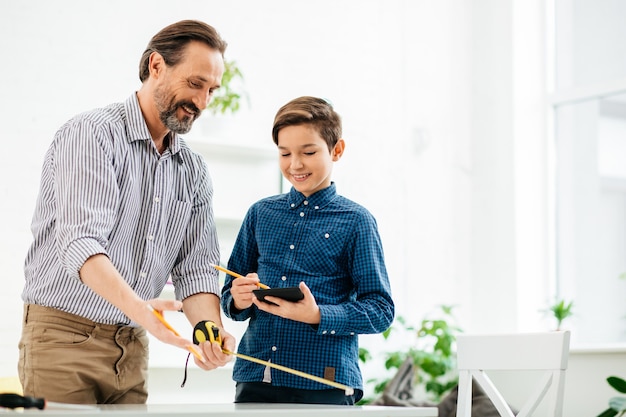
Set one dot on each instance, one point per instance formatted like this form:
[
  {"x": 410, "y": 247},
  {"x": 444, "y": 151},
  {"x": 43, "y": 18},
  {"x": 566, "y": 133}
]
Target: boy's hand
[
  {"x": 241, "y": 290},
  {"x": 305, "y": 310}
]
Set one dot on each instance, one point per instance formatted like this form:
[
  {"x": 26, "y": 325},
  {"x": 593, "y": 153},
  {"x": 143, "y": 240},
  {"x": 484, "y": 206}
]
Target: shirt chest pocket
[
  {"x": 176, "y": 220},
  {"x": 324, "y": 249}
]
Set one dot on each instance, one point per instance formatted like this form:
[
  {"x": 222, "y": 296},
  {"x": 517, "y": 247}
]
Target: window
[{"x": 589, "y": 113}]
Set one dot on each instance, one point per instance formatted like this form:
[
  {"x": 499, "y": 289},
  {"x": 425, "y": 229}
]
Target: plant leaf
[
  {"x": 609, "y": 412},
  {"x": 380, "y": 387},
  {"x": 364, "y": 355},
  {"x": 227, "y": 99},
  {"x": 386, "y": 333},
  {"x": 618, "y": 383}
]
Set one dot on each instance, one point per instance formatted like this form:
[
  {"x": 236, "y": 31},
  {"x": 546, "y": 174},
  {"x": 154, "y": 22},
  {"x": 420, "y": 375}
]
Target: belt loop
[
  {"x": 95, "y": 330},
  {"x": 26, "y": 308}
]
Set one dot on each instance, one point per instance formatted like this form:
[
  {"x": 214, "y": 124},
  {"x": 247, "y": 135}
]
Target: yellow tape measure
[{"x": 208, "y": 331}]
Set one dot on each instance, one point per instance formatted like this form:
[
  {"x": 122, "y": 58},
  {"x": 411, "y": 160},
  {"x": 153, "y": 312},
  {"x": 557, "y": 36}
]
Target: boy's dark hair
[
  {"x": 171, "y": 41},
  {"x": 313, "y": 111}
]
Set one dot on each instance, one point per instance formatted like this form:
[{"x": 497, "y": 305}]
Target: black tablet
[{"x": 288, "y": 293}]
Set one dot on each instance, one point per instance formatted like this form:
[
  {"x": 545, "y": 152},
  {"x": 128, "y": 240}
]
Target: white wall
[
  {"x": 509, "y": 281},
  {"x": 396, "y": 73},
  {"x": 439, "y": 101}
]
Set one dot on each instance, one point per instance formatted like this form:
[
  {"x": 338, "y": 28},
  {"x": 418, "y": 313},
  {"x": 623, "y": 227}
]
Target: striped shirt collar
[{"x": 138, "y": 128}]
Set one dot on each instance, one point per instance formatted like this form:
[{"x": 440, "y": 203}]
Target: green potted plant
[
  {"x": 431, "y": 350},
  {"x": 560, "y": 310},
  {"x": 616, "y": 404},
  {"x": 229, "y": 96}
]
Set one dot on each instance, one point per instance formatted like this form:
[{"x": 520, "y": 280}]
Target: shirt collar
[
  {"x": 138, "y": 128},
  {"x": 318, "y": 199}
]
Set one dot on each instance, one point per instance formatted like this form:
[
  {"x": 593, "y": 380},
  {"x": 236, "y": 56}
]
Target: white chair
[{"x": 546, "y": 352}]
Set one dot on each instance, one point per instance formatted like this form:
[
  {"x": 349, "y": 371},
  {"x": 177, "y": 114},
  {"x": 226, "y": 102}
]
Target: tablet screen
[{"x": 288, "y": 293}]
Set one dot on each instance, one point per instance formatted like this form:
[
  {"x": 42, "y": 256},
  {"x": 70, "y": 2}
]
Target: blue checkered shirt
[{"x": 333, "y": 245}]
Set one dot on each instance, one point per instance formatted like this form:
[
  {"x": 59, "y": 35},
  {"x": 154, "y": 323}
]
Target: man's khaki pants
[{"x": 70, "y": 359}]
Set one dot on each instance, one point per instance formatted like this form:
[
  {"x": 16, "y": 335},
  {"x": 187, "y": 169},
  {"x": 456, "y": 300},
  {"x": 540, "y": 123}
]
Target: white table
[{"x": 232, "y": 410}]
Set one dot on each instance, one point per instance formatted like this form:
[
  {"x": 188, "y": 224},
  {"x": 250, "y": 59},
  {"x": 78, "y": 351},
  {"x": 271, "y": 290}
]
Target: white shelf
[
  {"x": 241, "y": 175},
  {"x": 235, "y": 153},
  {"x": 234, "y": 221}
]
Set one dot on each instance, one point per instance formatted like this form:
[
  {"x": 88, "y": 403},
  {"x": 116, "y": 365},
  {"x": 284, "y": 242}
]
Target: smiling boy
[{"x": 325, "y": 244}]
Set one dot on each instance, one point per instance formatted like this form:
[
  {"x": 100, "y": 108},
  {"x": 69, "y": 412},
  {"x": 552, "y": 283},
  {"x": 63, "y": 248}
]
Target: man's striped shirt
[{"x": 105, "y": 189}]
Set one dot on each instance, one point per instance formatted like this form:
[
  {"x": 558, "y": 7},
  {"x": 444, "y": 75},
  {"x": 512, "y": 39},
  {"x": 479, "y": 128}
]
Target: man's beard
[{"x": 167, "y": 112}]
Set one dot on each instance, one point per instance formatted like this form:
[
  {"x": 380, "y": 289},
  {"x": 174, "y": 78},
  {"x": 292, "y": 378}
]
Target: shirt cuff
[
  {"x": 185, "y": 287},
  {"x": 77, "y": 254},
  {"x": 236, "y": 314},
  {"x": 333, "y": 321}
]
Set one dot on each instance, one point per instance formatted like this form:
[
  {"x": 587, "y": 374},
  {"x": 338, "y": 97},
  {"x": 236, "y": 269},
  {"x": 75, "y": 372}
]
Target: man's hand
[
  {"x": 305, "y": 310},
  {"x": 144, "y": 315},
  {"x": 212, "y": 351},
  {"x": 205, "y": 306}
]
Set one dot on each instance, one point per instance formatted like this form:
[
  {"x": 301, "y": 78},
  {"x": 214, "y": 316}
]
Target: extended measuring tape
[{"x": 208, "y": 331}]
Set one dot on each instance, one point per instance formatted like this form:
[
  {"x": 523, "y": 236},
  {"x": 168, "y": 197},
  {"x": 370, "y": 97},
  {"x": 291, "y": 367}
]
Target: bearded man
[{"x": 124, "y": 205}]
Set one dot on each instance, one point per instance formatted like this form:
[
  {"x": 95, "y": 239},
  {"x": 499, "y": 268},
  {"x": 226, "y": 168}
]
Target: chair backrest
[{"x": 547, "y": 352}]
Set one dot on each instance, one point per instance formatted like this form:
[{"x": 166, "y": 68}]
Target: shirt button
[
  {"x": 143, "y": 275},
  {"x": 274, "y": 348},
  {"x": 292, "y": 247},
  {"x": 283, "y": 278},
  {"x": 150, "y": 237},
  {"x": 326, "y": 235},
  {"x": 157, "y": 199},
  {"x": 301, "y": 214},
  {"x": 332, "y": 332},
  {"x": 317, "y": 207},
  {"x": 351, "y": 333},
  {"x": 306, "y": 203},
  {"x": 324, "y": 332},
  {"x": 293, "y": 205}
]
